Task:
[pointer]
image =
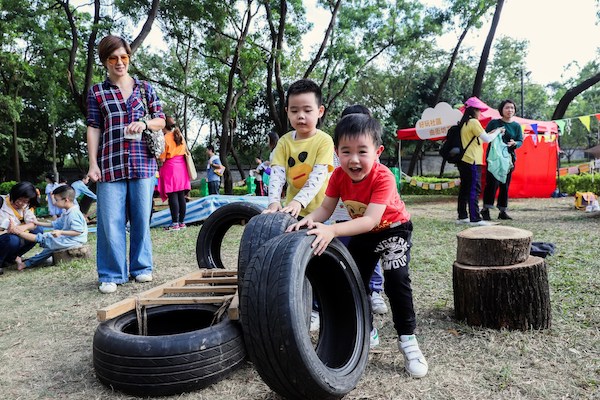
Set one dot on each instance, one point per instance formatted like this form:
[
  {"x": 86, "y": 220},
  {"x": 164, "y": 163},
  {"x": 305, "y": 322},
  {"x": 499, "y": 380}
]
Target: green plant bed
[
  {"x": 408, "y": 189},
  {"x": 579, "y": 183}
]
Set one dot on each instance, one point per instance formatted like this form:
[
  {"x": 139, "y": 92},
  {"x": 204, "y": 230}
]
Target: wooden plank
[
  {"x": 185, "y": 300},
  {"x": 234, "y": 308},
  {"x": 216, "y": 280},
  {"x": 201, "y": 289},
  {"x": 216, "y": 272},
  {"x": 128, "y": 304}
]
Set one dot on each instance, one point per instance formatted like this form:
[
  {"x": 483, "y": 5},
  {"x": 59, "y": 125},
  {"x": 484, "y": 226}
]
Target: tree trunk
[
  {"x": 512, "y": 297},
  {"x": 563, "y": 104},
  {"x": 54, "y": 167},
  {"x": 477, "y": 85},
  {"x": 16, "y": 152}
]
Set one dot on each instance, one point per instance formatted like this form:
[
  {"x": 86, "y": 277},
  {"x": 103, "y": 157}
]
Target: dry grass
[{"x": 48, "y": 320}]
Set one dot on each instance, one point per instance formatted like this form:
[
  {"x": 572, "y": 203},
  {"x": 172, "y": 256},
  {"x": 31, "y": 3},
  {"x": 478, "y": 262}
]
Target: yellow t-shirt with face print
[
  {"x": 298, "y": 157},
  {"x": 473, "y": 153}
]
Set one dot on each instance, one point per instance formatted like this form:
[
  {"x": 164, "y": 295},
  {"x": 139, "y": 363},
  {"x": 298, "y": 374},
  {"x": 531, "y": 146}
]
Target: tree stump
[
  {"x": 513, "y": 296},
  {"x": 500, "y": 292},
  {"x": 493, "y": 245},
  {"x": 72, "y": 253}
]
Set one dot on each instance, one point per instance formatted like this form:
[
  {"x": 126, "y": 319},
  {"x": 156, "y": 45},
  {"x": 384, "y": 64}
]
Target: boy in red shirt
[{"x": 380, "y": 226}]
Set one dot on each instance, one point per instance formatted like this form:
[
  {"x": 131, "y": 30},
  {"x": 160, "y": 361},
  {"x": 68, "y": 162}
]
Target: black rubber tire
[
  {"x": 182, "y": 351},
  {"x": 274, "y": 322},
  {"x": 214, "y": 228},
  {"x": 259, "y": 230}
]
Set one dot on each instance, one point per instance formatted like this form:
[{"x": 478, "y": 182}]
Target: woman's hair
[
  {"x": 505, "y": 102},
  {"x": 467, "y": 115},
  {"x": 50, "y": 176},
  {"x": 24, "y": 189},
  {"x": 109, "y": 44},
  {"x": 273, "y": 139},
  {"x": 171, "y": 126}
]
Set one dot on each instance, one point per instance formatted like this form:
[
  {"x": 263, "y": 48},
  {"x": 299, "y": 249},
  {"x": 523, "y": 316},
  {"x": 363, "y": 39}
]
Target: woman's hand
[
  {"x": 94, "y": 173},
  {"x": 511, "y": 143},
  {"x": 136, "y": 127}
]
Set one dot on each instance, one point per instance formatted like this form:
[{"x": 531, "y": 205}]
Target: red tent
[{"x": 535, "y": 172}]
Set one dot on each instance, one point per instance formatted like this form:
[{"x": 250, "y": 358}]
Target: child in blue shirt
[{"x": 70, "y": 230}]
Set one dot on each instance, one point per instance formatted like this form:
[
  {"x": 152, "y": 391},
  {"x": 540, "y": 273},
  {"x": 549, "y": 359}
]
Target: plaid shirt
[{"x": 119, "y": 158}]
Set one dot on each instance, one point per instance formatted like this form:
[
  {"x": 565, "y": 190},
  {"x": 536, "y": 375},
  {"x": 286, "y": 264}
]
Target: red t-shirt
[{"x": 379, "y": 188}]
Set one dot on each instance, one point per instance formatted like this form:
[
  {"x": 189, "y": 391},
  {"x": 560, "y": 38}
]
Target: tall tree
[{"x": 477, "y": 85}]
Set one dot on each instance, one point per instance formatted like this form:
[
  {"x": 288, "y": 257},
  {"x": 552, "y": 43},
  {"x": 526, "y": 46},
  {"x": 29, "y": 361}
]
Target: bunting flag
[
  {"x": 534, "y": 128},
  {"x": 564, "y": 125},
  {"x": 585, "y": 120}
]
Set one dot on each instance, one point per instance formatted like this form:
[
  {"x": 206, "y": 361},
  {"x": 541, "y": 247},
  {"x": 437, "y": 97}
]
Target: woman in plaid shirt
[{"x": 122, "y": 165}]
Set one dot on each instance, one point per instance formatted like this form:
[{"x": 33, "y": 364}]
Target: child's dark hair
[
  {"x": 355, "y": 125},
  {"x": 24, "y": 189},
  {"x": 82, "y": 176},
  {"x": 65, "y": 191},
  {"x": 356, "y": 109},
  {"x": 304, "y": 86},
  {"x": 50, "y": 176},
  {"x": 210, "y": 147}
]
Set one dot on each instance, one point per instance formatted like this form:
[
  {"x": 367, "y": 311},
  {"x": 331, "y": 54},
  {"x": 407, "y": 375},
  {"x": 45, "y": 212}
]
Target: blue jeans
[
  {"x": 213, "y": 187},
  {"x": 12, "y": 246},
  {"x": 119, "y": 202},
  {"x": 38, "y": 258}
]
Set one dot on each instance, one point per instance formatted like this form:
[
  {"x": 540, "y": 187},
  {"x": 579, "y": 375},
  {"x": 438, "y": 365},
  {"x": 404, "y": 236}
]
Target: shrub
[
  {"x": 6, "y": 186},
  {"x": 579, "y": 183}
]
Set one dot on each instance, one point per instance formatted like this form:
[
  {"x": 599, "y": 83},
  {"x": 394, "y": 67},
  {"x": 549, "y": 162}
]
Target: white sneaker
[
  {"x": 107, "y": 287},
  {"x": 378, "y": 304},
  {"x": 143, "y": 278},
  {"x": 414, "y": 361},
  {"x": 374, "y": 339},
  {"x": 315, "y": 321},
  {"x": 481, "y": 223},
  {"x": 462, "y": 221}
]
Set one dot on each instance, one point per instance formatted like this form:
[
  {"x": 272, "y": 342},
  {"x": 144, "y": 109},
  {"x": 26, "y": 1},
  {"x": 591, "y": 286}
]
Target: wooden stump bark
[
  {"x": 493, "y": 245},
  {"x": 513, "y": 297},
  {"x": 497, "y": 284},
  {"x": 72, "y": 254}
]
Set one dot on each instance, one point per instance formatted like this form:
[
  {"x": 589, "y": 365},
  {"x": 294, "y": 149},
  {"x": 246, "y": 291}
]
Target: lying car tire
[
  {"x": 259, "y": 230},
  {"x": 214, "y": 228},
  {"x": 276, "y": 331},
  {"x": 183, "y": 350}
]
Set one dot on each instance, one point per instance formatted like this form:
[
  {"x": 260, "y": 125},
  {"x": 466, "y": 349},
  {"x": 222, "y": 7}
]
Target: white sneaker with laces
[
  {"x": 143, "y": 278},
  {"x": 374, "y": 339},
  {"x": 414, "y": 360},
  {"x": 315, "y": 321},
  {"x": 378, "y": 304},
  {"x": 107, "y": 287}
]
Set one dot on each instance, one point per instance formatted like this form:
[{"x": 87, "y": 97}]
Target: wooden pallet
[{"x": 206, "y": 286}]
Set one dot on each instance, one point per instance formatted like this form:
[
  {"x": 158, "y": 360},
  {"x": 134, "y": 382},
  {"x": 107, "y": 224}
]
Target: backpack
[{"x": 452, "y": 151}]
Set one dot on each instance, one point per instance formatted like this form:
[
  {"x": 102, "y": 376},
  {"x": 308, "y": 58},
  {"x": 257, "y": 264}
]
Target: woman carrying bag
[
  {"x": 174, "y": 179},
  {"x": 513, "y": 138}
]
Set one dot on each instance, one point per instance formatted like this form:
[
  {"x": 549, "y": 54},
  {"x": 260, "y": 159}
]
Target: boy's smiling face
[
  {"x": 357, "y": 155},
  {"x": 304, "y": 112}
]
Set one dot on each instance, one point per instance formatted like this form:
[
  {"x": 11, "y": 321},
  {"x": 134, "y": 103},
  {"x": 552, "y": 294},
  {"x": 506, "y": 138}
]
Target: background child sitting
[{"x": 70, "y": 229}]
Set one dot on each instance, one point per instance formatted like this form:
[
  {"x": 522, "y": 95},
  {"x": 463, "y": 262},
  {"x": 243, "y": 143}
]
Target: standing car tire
[
  {"x": 259, "y": 230},
  {"x": 276, "y": 331},
  {"x": 186, "y": 348},
  {"x": 214, "y": 228}
]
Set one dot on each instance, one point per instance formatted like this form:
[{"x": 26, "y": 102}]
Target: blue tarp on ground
[{"x": 199, "y": 210}]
